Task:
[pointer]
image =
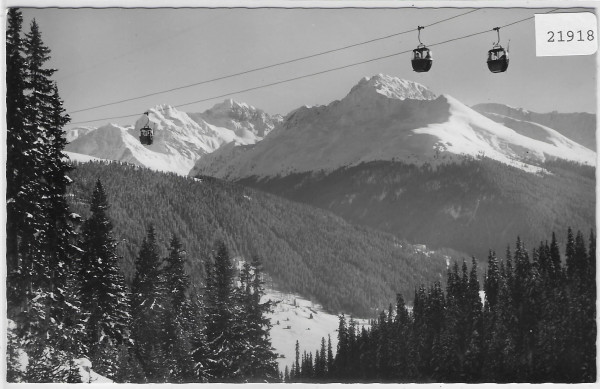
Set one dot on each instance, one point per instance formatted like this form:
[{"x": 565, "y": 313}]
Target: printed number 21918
[
  {"x": 580, "y": 35},
  {"x": 558, "y": 34}
]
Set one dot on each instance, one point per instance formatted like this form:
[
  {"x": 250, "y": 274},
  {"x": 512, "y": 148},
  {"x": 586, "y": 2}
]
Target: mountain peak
[
  {"x": 229, "y": 104},
  {"x": 392, "y": 87}
]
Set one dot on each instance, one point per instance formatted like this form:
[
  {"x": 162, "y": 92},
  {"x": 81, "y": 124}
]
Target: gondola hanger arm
[{"x": 419, "y": 28}]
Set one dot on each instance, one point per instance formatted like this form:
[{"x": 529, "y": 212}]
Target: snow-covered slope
[
  {"x": 577, "y": 126},
  {"x": 384, "y": 118},
  {"x": 295, "y": 318},
  {"x": 76, "y": 157},
  {"x": 180, "y": 138}
]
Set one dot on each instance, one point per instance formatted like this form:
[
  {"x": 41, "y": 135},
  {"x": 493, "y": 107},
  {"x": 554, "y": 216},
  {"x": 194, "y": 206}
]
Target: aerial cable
[
  {"x": 268, "y": 66},
  {"x": 317, "y": 73}
]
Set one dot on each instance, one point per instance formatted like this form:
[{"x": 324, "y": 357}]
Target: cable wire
[
  {"x": 320, "y": 72},
  {"x": 268, "y": 66}
]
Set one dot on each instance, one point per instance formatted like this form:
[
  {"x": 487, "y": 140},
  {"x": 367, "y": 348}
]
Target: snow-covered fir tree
[
  {"x": 221, "y": 318},
  {"x": 258, "y": 360},
  {"x": 103, "y": 288},
  {"x": 147, "y": 295},
  {"x": 42, "y": 287},
  {"x": 178, "y": 322},
  {"x": 19, "y": 162}
]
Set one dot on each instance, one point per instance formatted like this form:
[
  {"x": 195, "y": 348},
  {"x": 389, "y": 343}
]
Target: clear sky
[{"x": 105, "y": 55}]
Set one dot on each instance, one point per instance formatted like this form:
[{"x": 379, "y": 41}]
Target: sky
[{"x": 108, "y": 55}]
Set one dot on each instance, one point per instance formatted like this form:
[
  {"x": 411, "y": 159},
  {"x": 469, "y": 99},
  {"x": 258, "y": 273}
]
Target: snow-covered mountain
[
  {"x": 384, "y": 118},
  {"x": 180, "y": 138},
  {"x": 73, "y": 133},
  {"x": 578, "y": 126},
  {"x": 241, "y": 117}
]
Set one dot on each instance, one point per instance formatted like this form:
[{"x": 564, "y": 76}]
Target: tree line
[
  {"x": 66, "y": 294},
  {"x": 536, "y": 323}
]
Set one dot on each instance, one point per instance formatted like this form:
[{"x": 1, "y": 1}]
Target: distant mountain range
[
  {"x": 180, "y": 138},
  {"x": 579, "y": 126},
  {"x": 388, "y": 119}
]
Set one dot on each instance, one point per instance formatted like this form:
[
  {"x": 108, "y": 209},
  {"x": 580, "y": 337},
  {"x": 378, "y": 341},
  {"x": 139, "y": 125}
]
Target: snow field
[{"x": 292, "y": 321}]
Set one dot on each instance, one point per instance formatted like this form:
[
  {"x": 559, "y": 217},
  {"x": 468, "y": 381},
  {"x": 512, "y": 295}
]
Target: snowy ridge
[
  {"x": 241, "y": 118},
  {"x": 391, "y": 87},
  {"x": 73, "y": 133},
  {"x": 180, "y": 139},
  {"x": 577, "y": 126},
  {"x": 384, "y": 118}
]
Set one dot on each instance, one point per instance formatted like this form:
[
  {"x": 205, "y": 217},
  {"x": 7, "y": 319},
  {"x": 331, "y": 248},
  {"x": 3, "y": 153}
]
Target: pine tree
[
  {"x": 296, "y": 369},
  {"x": 222, "y": 319},
  {"x": 147, "y": 310},
  {"x": 492, "y": 280},
  {"x": 556, "y": 273},
  {"x": 43, "y": 293},
  {"x": 286, "y": 375},
  {"x": 343, "y": 349},
  {"x": 474, "y": 331},
  {"x": 570, "y": 255},
  {"x": 258, "y": 360},
  {"x": 45, "y": 117},
  {"x": 102, "y": 287},
  {"x": 329, "y": 357},
  {"x": 20, "y": 164},
  {"x": 178, "y": 333}
]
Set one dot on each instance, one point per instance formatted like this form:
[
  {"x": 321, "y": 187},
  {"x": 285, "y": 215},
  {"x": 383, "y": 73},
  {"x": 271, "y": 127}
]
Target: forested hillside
[
  {"x": 470, "y": 206},
  {"x": 304, "y": 249},
  {"x": 536, "y": 324}
]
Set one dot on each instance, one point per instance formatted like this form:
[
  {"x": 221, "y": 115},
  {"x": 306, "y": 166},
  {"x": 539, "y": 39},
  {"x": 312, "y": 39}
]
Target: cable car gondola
[
  {"x": 146, "y": 133},
  {"x": 421, "y": 57},
  {"x": 497, "y": 60}
]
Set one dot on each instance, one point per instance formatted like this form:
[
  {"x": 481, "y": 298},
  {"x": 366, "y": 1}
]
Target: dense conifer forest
[
  {"x": 536, "y": 323},
  {"x": 469, "y": 205},
  {"x": 304, "y": 249}
]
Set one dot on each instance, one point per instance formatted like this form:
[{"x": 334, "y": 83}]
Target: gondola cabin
[
  {"x": 146, "y": 135},
  {"x": 497, "y": 60},
  {"x": 421, "y": 59}
]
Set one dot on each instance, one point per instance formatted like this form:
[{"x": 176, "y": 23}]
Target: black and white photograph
[{"x": 313, "y": 192}]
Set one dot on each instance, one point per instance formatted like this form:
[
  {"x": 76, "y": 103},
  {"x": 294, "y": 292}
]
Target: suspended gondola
[
  {"x": 497, "y": 60},
  {"x": 421, "y": 57},
  {"x": 146, "y": 133}
]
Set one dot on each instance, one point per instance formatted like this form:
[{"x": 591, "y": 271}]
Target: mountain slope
[
  {"x": 387, "y": 119},
  {"x": 180, "y": 138},
  {"x": 394, "y": 156},
  {"x": 470, "y": 206},
  {"x": 579, "y": 126},
  {"x": 304, "y": 249}
]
